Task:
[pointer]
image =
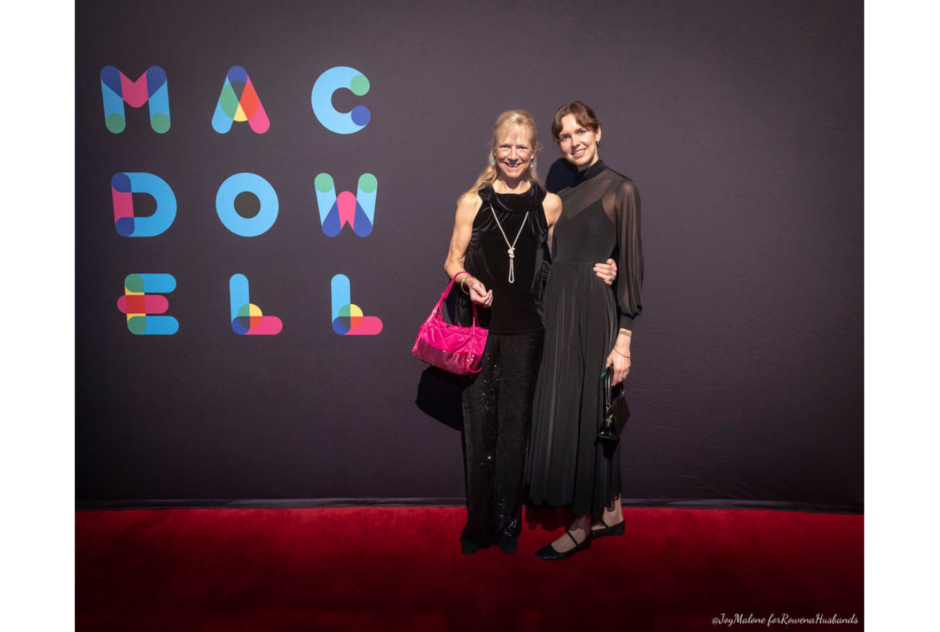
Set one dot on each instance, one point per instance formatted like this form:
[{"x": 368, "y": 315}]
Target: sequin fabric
[{"x": 497, "y": 410}]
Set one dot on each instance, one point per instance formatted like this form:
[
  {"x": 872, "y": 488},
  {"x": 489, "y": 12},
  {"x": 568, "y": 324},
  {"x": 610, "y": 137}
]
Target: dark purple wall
[{"x": 741, "y": 123}]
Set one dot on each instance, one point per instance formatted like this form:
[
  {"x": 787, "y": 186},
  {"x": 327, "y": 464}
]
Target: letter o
[{"x": 225, "y": 204}]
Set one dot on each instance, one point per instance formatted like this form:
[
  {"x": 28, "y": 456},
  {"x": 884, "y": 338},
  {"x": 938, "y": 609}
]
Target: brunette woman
[{"x": 588, "y": 330}]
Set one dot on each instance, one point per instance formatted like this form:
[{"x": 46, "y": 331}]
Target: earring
[
  {"x": 531, "y": 164},
  {"x": 493, "y": 162}
]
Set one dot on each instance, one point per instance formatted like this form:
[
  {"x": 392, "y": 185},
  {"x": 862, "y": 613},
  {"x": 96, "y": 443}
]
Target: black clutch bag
[{"x": 616, "y": 411}]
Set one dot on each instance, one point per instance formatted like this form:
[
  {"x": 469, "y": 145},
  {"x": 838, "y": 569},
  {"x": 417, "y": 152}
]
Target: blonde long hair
[{"x": 507, "y": 123}]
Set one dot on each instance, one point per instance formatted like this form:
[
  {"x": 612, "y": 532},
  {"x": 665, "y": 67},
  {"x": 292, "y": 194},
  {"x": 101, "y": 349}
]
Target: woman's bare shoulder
[
  {"x": 468, "y": 205},
  {"x": 552, "y": 203}
]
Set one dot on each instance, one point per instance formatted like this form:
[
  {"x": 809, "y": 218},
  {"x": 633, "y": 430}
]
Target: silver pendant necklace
[{"x": 512, "y": 246}]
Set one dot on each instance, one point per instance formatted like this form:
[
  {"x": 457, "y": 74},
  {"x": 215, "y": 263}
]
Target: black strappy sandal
[{"x": 549, "y": 553}]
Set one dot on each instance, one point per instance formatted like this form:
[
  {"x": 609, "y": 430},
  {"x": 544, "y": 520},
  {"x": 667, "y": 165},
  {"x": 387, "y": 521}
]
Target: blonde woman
[{"x": 498, "y": 249}]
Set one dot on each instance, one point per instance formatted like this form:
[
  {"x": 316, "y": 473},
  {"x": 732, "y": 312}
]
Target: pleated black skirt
[{"x": 567, "y": 464}]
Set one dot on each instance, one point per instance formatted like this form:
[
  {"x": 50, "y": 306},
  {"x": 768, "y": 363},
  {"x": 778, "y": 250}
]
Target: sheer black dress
[{"x": 566, "y": 463}]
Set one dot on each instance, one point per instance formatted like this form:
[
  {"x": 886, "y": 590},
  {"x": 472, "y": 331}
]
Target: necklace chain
[{"x": 512, "y": 246}]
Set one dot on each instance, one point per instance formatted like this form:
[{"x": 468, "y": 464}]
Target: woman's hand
[
  {"x": 619, "y": 359},
  {"x": 606, "y": 271},
  {"x": 478, "y": 292}
]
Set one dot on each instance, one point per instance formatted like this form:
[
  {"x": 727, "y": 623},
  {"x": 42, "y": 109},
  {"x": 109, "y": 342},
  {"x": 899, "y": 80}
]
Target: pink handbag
[{"x": 454, "y": 348}]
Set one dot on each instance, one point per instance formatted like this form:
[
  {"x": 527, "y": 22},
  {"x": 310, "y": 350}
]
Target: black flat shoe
[
  {"x": 617, "y": 529},
  {"x": 549, "y": 553},
  {"x": 507, "y": 544},
  {"x": 468, "y": 548}
]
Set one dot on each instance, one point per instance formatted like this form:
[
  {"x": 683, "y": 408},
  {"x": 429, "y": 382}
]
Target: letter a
[{"x": 239, "y": 102}]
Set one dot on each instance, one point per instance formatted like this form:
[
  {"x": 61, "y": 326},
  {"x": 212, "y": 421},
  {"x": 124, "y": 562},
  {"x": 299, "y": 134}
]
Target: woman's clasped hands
[{"x": 477, "y": 291}]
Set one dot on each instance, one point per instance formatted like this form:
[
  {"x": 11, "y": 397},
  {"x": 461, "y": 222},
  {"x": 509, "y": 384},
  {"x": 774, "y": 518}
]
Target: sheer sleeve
[{"x": 630, "y": 253}]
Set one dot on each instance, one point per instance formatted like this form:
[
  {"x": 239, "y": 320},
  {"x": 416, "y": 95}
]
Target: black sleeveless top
[{"x": 516, "y": 307}]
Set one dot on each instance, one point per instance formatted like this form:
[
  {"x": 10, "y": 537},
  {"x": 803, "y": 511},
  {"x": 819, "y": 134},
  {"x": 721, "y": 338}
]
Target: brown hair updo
[{"x": 582, "y": 113}]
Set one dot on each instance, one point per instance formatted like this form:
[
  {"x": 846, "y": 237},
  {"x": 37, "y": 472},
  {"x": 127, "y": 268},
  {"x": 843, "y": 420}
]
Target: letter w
[{"x": 338, "y": 210}]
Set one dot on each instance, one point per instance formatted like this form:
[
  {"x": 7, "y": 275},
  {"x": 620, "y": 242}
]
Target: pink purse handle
[{"x": 437, "y": 308}]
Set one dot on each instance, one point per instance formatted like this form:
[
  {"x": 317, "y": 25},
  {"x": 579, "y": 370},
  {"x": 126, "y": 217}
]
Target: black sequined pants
[{"x": 497, "y": 412}]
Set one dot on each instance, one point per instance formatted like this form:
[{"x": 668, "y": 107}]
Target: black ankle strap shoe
[
  {"x": 617, "y": 529},
  {"x": 549, "y": 553}
]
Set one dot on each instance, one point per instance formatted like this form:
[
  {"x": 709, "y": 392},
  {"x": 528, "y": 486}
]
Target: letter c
[{"x": 322, "y": 100}]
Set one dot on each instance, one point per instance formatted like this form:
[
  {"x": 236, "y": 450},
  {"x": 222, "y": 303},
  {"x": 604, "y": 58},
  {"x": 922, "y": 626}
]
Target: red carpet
[{"x": 401, "y": 569}]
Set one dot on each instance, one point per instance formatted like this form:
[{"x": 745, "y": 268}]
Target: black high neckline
[
  {"x": 514, "y": 202},
  {"x": 590, "y": 172}
]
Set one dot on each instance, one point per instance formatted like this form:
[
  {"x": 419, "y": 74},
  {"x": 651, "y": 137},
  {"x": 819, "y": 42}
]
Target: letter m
[{"x": 150, "y": 87}]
